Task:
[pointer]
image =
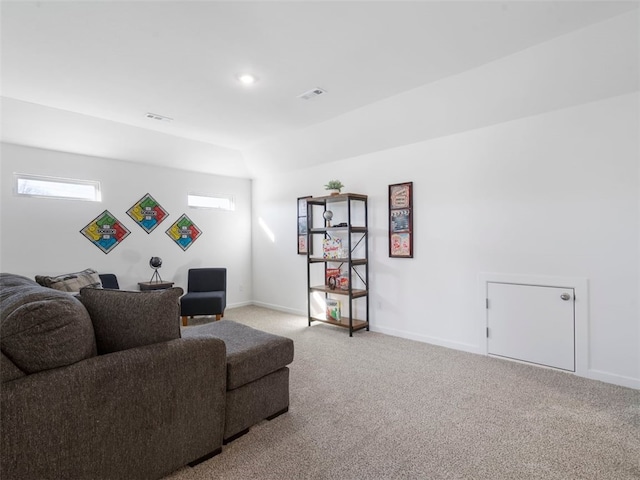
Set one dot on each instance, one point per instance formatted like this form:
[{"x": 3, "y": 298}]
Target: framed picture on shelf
[
  {"x": 304, "y": 224},
  {"x": 401, "y": 220}
]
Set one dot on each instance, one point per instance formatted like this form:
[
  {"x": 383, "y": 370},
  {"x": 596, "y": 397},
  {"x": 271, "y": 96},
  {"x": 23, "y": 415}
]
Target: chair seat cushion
[
  {"x": 202, "y": 303},
  {"x": 251, "y": 353}
]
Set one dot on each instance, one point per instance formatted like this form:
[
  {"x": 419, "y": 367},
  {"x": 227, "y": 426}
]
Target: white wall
[
  {"x": 42, "y": 236},
  {"x": 552, "y": 193}
]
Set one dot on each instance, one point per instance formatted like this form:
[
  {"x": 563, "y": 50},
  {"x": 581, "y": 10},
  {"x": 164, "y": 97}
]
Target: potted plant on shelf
[{"x": 334, "y": 186}]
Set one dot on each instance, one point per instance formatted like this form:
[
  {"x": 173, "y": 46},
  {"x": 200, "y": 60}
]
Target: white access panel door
[{"x": 531, "y": 323}]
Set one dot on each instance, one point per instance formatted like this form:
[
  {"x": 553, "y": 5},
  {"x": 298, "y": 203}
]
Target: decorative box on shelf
[
  {"x": 335, "y": 279},
  {"x": 331, "y": 277},
  {"x": 331, "y": 247}
]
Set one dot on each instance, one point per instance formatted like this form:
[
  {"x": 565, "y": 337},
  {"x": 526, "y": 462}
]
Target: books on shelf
[{"x": 333, "y": 309}]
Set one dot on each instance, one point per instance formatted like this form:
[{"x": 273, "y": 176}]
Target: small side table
[{"x": 154, "y": 285}]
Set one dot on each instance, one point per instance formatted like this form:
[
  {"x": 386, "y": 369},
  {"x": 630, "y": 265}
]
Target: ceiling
[{"x": 80, "y": 76}]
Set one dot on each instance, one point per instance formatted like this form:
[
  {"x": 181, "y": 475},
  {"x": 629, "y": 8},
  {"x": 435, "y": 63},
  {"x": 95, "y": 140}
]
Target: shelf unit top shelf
[{"x": 341, "y": 197}]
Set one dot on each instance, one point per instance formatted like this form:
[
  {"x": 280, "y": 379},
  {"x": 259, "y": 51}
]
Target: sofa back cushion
[
  {"x": 41, "y": 328},
  {"x": 126, "y": 319},
  {"x": 13, "y": 280},
  {"x": 71, "y": 282}
]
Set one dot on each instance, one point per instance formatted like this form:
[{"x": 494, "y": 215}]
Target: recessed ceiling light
[{"x": 247, "y": 79}]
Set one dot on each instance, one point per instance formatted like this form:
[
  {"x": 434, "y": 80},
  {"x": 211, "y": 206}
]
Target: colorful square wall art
[
  {"x": 105, "y": 231},
  {"x": 147, "y": 213},
  {"x": 184, "y": 232}
]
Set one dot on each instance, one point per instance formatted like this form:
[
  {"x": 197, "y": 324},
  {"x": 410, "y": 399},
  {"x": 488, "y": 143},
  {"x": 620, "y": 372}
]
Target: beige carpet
[{"x": 379, "y": 407}]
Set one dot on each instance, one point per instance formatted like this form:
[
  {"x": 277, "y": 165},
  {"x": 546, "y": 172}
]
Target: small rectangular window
[
  {"x": 59, "y": 188},
  {"x": 223, "y": 202}
]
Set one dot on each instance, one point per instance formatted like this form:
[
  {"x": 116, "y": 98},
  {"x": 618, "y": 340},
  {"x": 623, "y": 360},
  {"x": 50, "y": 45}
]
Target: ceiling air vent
[
  {"x": 155, "y": 116},
  {"x": 316, "y": 92}
]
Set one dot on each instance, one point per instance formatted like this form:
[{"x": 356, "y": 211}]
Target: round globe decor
[{"x": 155, "y": 263}]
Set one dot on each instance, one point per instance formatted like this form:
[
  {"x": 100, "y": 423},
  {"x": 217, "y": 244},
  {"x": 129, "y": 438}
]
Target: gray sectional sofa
[{"x": 101, "y": 385}]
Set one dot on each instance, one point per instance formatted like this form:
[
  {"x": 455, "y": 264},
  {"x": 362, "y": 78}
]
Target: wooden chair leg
[
  {"x": 184, "y": 321},
  {"x": 218, "y": 317}
]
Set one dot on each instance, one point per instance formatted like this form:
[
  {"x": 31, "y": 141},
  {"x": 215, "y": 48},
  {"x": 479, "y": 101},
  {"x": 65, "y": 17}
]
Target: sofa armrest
[{"x": 138, "y": 413}]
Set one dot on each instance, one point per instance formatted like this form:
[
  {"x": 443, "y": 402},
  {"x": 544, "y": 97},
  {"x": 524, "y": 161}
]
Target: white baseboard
[
  {"x": 465, "y": 347},
  {"x": 621, "y": 380},
  {"x": 280, "y": 308},
  {"x": 239, "y": 304}
]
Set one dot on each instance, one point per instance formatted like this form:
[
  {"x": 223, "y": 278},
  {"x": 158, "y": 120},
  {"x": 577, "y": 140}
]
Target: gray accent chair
[
  {"x": 101, "y": 386},
  {"x": 206, "y": 293}
]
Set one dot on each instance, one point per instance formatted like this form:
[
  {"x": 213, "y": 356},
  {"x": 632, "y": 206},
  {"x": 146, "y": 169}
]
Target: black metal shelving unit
[{"x": 356, "y": 236}]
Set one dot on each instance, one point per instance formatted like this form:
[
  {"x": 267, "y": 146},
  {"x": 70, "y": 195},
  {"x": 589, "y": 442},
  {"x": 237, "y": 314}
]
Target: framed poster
[
  {"x": 184, "y": 232},
  {"x": 147, "y": 213},
  {"x": 105, "y": 231},
  {"x": 401, "y": 220},
  {"x": 304, "y": 224}
]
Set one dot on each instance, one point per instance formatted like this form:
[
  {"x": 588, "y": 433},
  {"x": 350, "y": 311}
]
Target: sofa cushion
[
  {"x": 41, "y": 328},
  {"x": 126, "y": 319},
  {"x": 71, "y": 282},
  {"x": 251, "y": 353}
]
